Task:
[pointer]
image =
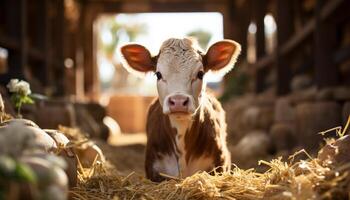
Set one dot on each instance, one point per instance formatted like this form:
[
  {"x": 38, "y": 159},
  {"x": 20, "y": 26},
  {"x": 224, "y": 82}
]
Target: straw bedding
[{"x": 290, "y": 179}]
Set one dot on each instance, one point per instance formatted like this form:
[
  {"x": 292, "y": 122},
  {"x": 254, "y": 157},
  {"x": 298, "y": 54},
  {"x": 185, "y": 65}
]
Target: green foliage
[
  {"x": 24, "y": 173},
  {"x": 19, "y": 99},
  {"x": 16, "y": 171},
  {"x": 202, "y": 36},
  {"x": 115, "y": 28},
  {"x": 235, "y": 86}
]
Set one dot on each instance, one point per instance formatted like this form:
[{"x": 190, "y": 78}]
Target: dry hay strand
[
  {"x": 300, "y": 180},
  {"x": 73, "y": 134},
  {"x": 292, "y": 180}
]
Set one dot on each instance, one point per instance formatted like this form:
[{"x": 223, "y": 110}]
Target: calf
[{"x": 186, "y": 128}]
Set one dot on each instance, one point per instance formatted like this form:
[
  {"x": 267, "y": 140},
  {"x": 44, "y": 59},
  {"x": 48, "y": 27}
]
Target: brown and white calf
[{"x": 186, "y": 128}]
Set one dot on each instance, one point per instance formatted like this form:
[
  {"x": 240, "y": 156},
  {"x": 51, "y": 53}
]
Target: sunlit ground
[{"x": 128, "y": 139}]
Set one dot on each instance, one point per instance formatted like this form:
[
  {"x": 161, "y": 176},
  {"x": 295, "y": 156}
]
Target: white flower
[
  {"x": 12, "y": 85},
  {"x": 24, "y": 88},
  {"x": 21, "y": 87}
]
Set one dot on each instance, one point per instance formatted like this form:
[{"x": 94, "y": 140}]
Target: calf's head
[{"x": 180, "y": 67}]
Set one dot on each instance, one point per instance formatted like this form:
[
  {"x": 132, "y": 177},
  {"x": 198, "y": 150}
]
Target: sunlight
[{"x": 150, "y": 30}]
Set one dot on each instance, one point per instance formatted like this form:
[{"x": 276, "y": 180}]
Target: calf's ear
[
  {"x": 136, "y": 58},
  {"x": 221, "y": 56}
]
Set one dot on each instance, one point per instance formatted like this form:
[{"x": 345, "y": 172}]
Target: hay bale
[
  {"x": 311, "y": 118},
  {"x": 284, "y": 112},
  {"x": 253, "y": 146},
  {"x": 307, "y": 95},
  {"x": 236, "y": 126},
  {"x": 258, "y": 117},
  {"x": 283, "y": 136}
]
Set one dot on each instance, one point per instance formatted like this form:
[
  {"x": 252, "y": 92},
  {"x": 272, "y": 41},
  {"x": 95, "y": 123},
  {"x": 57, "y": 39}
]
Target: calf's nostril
[
  {"x": 185, "y": 103},
  {"x": 171, "y": 102}
]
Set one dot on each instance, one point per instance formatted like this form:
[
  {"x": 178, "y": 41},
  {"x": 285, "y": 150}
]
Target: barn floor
[{"x": 126, "y": 152}]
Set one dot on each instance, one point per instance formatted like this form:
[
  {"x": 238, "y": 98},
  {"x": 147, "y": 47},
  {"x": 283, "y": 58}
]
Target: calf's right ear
[{"x": 136, "y": 58}]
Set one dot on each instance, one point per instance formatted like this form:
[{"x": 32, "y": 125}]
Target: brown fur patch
[
  {"x": 160, "y": 138},
  {"x": 206, "y": 137},
  {"x": 207, "y": 132}
]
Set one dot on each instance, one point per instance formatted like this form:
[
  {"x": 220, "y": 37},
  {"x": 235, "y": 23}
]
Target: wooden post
[
  {"x": 47, "y": 44},
  {"x": 59, "y": 66},
  {"x": 16, "y": 28},
  {"x": 325, "y": 43},
  {"x": 79, "y": 69},
  {"x": 259, "y": 11},
  {"x": 285, "y": 29}
]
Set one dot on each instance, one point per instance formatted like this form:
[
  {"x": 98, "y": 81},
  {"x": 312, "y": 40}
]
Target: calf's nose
[{"x": 178, "y": 103}]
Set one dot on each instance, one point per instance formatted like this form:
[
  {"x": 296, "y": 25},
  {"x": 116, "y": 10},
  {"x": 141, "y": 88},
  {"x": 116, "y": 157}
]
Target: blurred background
[{"x": 291, "y": 81}]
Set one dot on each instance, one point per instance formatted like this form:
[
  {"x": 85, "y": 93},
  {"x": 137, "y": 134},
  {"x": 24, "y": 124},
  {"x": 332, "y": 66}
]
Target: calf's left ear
[{"x": 221, "y": 56}]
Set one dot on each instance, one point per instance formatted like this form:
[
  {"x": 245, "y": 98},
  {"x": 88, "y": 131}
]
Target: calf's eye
[
  {"x": 200, "y": 75},
  {"x": 159, "y": 75}
]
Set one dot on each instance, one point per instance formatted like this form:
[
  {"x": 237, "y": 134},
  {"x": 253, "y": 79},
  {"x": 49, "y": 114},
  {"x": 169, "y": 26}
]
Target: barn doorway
[{"x": 126, "y": 96}]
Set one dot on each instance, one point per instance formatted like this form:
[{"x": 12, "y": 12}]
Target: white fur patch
[
  {"x": 167, "y": 165},
  {"x": 179, "y": 63},
  {"x": 198, "y": 164},
  {"x": 181, "y": 125}
]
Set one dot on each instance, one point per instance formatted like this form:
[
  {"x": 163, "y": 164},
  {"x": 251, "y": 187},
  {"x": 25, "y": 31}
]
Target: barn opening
[{"x": 126, "y": 96}]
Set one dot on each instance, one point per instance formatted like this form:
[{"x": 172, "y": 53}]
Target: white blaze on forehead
[
  {"x": 179, "y": 62},
  {"x": 179, "y": 57}
]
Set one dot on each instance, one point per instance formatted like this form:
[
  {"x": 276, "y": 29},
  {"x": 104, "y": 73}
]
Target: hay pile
[
  {"x": 302, "y": 180},
  {"x": 291, "y": 179}
]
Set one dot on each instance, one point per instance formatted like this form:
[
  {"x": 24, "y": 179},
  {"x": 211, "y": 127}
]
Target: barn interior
[{"x": 288, "y": 91}]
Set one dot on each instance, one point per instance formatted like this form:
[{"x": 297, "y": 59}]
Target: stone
[
  {"x": 306, "y": 95},
  {"x": 342, "y": 93},
  {"x": 234, "y": 109},
  {"x": 88, "y": 153},
  {"x": 72, "y": 166},
  {"x": 312, "y": 118},
  {"x": 67, "y": 154},
  {"x": 325, "y": 94},
  {"x": 283, "y": 136},
  {"x": 252, "y": 147},
  {"x": 284, "y": 112},
  {"x": 258, "y": 117},
  {"x": 335, "y": 153},
  {"x": 48, "y": 176},
  {"x": 301, "y": 82},
  {"x": 17, "y": 137},
  {"x": 346, "y": 113}
]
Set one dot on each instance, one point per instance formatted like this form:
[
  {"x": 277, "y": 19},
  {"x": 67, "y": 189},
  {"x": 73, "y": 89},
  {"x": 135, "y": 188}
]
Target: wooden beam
[
  {"x": 259, "y": 11},
  {"x": 298, "y": 38},
  {"x": 326, "y": 73},
  {"x": 9, "y": 42},
  {"x": 285, "y": 30},
  {"x": 47, "y": 44},
  {"x": 16, "y": 28}
]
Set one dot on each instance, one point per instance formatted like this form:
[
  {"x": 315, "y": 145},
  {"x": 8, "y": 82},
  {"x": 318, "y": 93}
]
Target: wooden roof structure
[{"x": 41, "y": 35}]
